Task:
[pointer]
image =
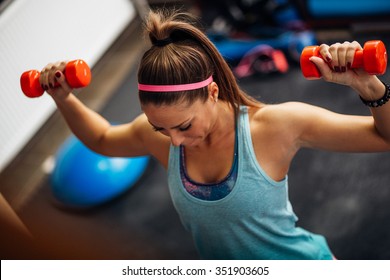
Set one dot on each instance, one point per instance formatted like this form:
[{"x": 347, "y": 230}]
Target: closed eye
[
  {"x": 156, "y": 128},
  {"x": 185, "y": 128}
]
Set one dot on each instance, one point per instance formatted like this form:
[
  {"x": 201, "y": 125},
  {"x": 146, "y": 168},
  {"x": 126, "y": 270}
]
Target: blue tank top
[
  {"x": 254, "y": 221},
  {"x": 210, "y": 191}
]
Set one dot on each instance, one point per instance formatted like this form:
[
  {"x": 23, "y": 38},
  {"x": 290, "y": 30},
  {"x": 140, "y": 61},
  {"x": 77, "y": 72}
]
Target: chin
[
  {"x": 188, "y": 143},
  {"x": 195, "y": 142}
]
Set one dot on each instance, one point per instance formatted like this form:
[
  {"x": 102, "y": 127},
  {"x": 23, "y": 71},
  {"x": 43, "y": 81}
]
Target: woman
[{"x": 227, "y": 155}]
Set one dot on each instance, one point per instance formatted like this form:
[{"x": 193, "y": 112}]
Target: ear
[{"x": 213, "y": 91}]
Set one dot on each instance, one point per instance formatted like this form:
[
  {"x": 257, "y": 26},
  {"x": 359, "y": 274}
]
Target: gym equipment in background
[
  {"x": 262, "y": 59},
  {"x": 373, "y": 59},
  {"x": 347, "y": 8},
  {"x": 290, "y": 42},
  {"x": 77, "y": 74},
  {"x": 83, "y": 178}
]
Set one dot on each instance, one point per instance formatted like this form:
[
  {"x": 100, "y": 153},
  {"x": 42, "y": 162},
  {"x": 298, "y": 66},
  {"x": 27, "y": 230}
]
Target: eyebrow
[{"x": 177, "y": 126}]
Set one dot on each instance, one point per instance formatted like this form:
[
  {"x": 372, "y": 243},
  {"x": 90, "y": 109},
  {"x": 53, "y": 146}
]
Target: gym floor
[{"x": 344, "y": 197}]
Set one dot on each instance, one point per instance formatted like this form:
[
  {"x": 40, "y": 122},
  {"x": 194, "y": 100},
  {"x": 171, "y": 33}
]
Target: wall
[{"x": 33, "y": 33}]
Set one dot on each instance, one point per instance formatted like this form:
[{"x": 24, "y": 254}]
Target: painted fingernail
[
  {"x": 51, "y": 86},
  {"x": 328, "y": 59},
  {"x": 337, "y": 69},
  {"x": 343, "y": 69},
  {"x": 349, "y": 65},
  {"x": 58, "y": 74}
]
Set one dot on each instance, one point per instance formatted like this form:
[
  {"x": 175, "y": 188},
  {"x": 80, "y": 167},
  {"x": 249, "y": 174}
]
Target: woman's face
[{"x": 187, "y": 125}]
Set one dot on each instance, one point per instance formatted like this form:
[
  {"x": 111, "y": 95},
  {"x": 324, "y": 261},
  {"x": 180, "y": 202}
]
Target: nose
[{"x": 176, "y": 138}]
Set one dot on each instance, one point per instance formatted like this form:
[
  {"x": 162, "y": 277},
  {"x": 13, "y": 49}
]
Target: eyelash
[
  {"x": 186, "y": 128},
  {"x": 181, "y": 129}
]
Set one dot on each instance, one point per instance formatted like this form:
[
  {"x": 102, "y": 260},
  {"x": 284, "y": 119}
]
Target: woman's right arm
[{"x": 133, "y": 139}]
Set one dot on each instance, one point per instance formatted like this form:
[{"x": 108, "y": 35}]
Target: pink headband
[{"x": 169, "y": 88}]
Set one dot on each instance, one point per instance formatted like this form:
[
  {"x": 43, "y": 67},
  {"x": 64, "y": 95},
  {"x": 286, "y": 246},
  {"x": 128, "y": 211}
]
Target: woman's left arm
[{"x": 336, "y": 69}]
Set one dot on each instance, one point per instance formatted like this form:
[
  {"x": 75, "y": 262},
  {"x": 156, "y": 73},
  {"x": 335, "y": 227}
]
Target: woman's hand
[
  {"x": 335, "y": 65},
  {"x": 53, "y": 80}
]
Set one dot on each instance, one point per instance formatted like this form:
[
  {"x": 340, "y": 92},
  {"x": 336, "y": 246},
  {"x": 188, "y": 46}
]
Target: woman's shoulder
[
  {"x": 282, "y": 112},
  {"x": 285, "y": 120}
]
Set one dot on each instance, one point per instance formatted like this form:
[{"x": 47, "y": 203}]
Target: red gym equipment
[
  {"x": 373, "y": 59},
  {"x": 77, "y": 74}
]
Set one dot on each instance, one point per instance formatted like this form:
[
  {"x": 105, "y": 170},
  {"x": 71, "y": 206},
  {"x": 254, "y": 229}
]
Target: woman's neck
[{"x": 224, "y": 125}]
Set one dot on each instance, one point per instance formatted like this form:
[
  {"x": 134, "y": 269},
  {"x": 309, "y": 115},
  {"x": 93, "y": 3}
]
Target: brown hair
[{"x": 189, "y": 57}]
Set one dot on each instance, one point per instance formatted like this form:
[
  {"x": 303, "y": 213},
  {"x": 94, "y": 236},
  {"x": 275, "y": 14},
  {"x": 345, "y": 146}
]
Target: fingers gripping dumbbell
[
  {"x": 373, "y": 59},
  {"x": 77, "y": 74}
]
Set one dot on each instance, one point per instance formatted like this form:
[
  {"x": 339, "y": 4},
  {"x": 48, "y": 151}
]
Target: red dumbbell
[
  {"x": 373, "y": 59},
  {"x": 77, "y": 74}
]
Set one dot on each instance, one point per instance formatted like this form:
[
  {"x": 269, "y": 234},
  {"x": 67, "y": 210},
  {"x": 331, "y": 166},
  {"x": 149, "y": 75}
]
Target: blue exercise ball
[{"x": 83, "y": 178}]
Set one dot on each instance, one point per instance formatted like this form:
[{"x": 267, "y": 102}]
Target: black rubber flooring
[{"x": 344, "y": 197}]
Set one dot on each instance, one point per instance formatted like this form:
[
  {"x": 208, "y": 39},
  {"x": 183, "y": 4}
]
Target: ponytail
[{"x": 181, "y": 53}]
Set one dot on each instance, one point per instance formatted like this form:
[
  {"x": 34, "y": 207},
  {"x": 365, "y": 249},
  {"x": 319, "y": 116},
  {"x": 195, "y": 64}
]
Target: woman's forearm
[
  {"x": 373, "y": 92},
  {"x": 86, "y": 124}
]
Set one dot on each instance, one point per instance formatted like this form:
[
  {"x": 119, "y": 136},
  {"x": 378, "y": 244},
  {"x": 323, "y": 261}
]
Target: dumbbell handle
[
  {"x": 373, "y": 59},
  {"x": 77, "y": 74}
]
